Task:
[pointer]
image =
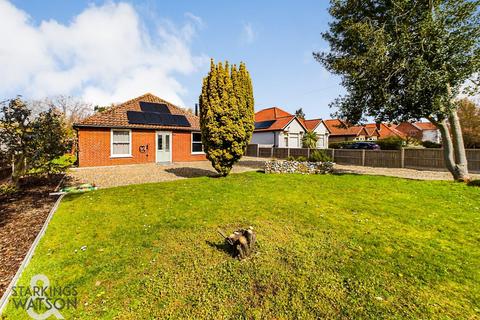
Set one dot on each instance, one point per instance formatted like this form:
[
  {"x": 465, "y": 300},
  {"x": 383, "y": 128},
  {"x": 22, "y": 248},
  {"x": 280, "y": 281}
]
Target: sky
[{"x": 111, "y": 51}]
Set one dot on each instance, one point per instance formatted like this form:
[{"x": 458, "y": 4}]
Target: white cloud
[
  {"x": 248, "y": 34},
  {"x": 105, "y": 54}
]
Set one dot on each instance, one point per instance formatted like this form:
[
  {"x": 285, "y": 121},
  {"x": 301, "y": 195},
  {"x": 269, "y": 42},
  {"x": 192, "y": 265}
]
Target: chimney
[{"x": 196, "y": 109}]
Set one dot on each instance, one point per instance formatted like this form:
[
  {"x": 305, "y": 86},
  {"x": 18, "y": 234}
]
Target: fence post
[
  {"x": 308, "y": 153},
  {"x": 258, "y": 150},
  {"x": 271, "y": 152},
  {"x": 333, "y": 155},
  {"x": 288, "y": 152},
  {"x": 402, "y": 158},
  {"x": 363, "y": 157}
]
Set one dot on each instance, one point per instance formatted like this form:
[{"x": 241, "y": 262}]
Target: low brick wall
[{"x": 279, "y": 166}]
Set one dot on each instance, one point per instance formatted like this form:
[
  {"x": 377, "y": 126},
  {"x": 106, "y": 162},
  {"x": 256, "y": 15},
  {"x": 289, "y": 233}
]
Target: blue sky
[{"x": 274, "y": 38}]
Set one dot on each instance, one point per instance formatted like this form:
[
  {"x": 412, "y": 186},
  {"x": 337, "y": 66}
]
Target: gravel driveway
[{"x": 113, "y": 176}]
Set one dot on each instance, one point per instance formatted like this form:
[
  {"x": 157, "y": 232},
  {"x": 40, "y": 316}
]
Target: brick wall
[
  {"x": 182, "y": 148},
  {"x": 94, "y": 147}
]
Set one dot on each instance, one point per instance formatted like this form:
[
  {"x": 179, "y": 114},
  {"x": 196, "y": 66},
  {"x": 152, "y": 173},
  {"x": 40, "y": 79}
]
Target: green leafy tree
[
  {"x": 310, "y": 139},
  {"x": 226, "y": 115},
  {"x": 16, "y": 136},
  {"x": 50, "y": 140},
  {"x": 300, "y": 114},
  {"x": 406, "y": 60}
]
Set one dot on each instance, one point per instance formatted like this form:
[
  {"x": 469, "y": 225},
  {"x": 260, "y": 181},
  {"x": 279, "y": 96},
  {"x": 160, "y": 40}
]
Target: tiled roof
[
  {"x": 271, "y": 114},
  {"x": 425, "y": 125},
  {"x": 280, "y": 119},
  {"x": 278, "y": 124},
  {"x": 384, "y": 130},
  {"x": 310, "y": 125},
  {"x": 116, "y": 116},
  {"x": 338, "y": 127}
]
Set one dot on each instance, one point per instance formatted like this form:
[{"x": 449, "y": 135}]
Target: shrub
[
  {"x": 319, "y": 156},
  {"x": 310, "y": 139},
  {"x": 61, "y": 164},
  {"x": 391, "y": 143},
  {"x": 7, "y": 189},
  {"x": 226, "y": 115},
  {"x": 301, "y": 159},
  {"x": 431, "y": 145}
]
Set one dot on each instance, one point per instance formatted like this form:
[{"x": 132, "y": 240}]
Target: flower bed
[{"x": 304, "y": 167}]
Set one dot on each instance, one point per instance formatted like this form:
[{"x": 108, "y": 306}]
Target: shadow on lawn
[
  {"x": 221, "y": 247},
  {"x": 187, "y": 172}
]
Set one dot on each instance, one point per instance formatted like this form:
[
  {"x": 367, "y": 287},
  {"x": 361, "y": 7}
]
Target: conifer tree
[{"x": 226, "y": 115}]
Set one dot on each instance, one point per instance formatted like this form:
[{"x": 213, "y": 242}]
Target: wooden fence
[{"x": 426, "y": 159}]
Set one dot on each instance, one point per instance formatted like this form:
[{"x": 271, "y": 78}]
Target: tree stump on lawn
[{"x": 242, "y": 242}]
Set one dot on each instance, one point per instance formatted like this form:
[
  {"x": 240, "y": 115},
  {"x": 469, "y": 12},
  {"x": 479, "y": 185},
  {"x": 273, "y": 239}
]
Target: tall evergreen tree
[
  {"x": 226, "y": 115},
  {"x": 300, "y": 114},
  {"x": 406, "y": 60}
]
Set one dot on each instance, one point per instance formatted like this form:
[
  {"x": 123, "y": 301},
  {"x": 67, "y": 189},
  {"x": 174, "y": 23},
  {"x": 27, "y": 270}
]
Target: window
[
  {"x": 121, "y": 143},
  {"x": 197, "y": 146}
]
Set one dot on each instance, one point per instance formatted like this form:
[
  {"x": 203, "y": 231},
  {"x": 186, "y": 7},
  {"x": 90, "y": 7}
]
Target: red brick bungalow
[{"x": 146, "y": 129}]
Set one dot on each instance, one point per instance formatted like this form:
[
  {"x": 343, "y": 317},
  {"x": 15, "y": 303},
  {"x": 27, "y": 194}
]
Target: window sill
[
  {"x": 201, "y": 152},
  {"x": 121, "y": 156}
]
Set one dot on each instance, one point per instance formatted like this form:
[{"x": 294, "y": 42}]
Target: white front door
[{"x": 164, "y": 146}]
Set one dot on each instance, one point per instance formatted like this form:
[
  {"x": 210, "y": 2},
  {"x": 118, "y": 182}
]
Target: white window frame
[
  {"x": 191, "y": 144},
  {"x": 129, "y": 155}
]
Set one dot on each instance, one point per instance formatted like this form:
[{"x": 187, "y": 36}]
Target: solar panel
[
  {"x": 155, "y": 118},
  {"x": 135, "y": 117},
  {"x": 154, "y": 107},
  {"x": 264, "y": 124}
]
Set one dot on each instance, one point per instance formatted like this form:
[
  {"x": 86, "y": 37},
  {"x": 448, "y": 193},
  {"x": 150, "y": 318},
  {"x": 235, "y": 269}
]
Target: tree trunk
[
  {"x": 458, "y": 171},
  {"x": 459, "y": 147},
  {"x": 18, "y": 169}
]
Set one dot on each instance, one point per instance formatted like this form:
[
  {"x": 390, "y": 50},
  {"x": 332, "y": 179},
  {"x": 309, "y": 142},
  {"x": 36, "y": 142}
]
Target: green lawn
[{"x": 335, "y": 246}]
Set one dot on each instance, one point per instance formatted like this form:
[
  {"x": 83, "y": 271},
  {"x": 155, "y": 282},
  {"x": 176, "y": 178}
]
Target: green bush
[
  {"x": 61, "y": 164},
  {"x": 319, "y": 156},
  {"x": 6, "y": 189},
  {"x": 57, "y": 165},
  {"x": 431, "y": 145},
  {"x": 391, "y": 143}
]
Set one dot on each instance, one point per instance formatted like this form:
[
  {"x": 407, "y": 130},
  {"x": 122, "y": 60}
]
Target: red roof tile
[
  {"x": 279, "y": 124},
  {"x": 310, "y": 125},
  {"x": 338, "y": 127},
  {"x": 385, "y": 130},
  {"x": 116, "y": 116},
  {"x": 270, "y": 114},
  {"x": 425, "y": 125}
]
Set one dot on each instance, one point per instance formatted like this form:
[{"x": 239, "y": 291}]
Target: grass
[{"x": 337, "y": 246}]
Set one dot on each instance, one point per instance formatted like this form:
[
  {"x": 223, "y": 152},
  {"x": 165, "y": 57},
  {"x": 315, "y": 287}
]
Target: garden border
[{"x": 28, "y": 256}]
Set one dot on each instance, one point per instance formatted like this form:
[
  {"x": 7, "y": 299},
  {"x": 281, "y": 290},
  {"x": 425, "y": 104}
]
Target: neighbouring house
[
  {"x": 275, "y": 127},
  {"x": 383, "y": 131},
  {"x": 422, "y": 131},
  {"x": 340, "y": 131},
  {"x": 146, "y": 129},
  {"x": 317, "y": 126}
]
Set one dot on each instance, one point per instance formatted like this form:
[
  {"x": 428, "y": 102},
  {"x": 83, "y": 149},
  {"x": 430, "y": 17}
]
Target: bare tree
[{"x": 74, "y": 109}]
